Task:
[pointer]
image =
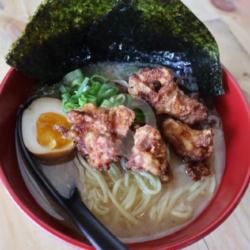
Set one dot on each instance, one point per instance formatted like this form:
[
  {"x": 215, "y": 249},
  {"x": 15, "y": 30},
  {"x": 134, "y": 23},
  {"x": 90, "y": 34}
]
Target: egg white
[{"x": 29, "y": 120}]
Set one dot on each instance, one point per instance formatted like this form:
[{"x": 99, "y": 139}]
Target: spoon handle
[
  {"x": 93, "y": 230},
  {"x": 88, "y": 225}
]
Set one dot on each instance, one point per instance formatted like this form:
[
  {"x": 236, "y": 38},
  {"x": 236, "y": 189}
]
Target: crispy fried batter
[
  {"x": 98, "y": 132},
  {"x": 149, "y": 153},
  {"x": 158, "y": 88},
  {"x": 101, "y": 149},
  {"x": 189, "y": 143},
  {"x": 122, "y": 118},
  {"x": 147, "y": 82},
  {"x": 197, "y": 170}
]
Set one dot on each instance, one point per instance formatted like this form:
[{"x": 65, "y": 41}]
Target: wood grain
[{"x": 232, "y": 32}]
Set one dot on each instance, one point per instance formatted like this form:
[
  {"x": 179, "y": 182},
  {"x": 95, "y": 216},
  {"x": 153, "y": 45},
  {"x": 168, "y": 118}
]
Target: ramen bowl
[{"x": 235, "y": 115}]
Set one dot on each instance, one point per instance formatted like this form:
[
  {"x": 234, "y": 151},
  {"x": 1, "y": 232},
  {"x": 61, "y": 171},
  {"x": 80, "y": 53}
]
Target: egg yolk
[{"x": 47, "y": 135}]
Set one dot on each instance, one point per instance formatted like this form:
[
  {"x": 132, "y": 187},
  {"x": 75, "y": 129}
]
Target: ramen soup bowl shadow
[{"x": 235, "y": 115}]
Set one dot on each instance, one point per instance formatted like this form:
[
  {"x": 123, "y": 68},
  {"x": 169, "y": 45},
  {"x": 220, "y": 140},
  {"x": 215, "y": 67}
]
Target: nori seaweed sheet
[{"x": 148, "y": 31}]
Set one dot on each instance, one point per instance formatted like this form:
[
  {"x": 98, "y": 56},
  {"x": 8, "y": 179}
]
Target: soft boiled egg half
[{"x": 39, "y": 133}]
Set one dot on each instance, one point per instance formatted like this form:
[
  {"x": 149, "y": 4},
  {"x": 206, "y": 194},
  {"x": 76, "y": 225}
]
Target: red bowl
[{"x": 235, "y": 114}]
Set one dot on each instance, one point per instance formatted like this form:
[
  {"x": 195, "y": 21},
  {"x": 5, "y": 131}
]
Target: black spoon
[{"x": 99, "y": 236}]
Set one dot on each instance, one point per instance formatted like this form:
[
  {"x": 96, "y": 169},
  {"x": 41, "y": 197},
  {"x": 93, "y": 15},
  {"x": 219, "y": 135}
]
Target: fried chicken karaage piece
[
  {"x": 189, "y": 143},
  {"x": 149, "y": 153},
  {"x": 197, "y": 170},
  {"x": 98, "y": 132},
  {"x": 157, "y": 87}
]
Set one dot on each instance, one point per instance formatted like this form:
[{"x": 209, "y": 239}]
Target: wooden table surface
[{"x": 232, "y": 32}]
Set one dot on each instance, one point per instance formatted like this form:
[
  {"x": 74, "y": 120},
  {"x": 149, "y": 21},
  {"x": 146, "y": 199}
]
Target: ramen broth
[
  {"x": 182, "y": 199},
  {"x": 132, "y": 211}
]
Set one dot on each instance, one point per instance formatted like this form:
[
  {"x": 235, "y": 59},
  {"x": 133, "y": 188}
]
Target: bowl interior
[{"x": 236, "y": 124}]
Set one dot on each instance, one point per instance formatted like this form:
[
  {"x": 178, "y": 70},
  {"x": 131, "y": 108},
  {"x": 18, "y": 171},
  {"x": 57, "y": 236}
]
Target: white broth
[
  {"x": 149, "y": 216},
  {"x": 135, "y": 206}
]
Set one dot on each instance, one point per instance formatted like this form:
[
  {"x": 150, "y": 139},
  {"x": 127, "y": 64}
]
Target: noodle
[
  {"x": 173, "y": 199},
  {"x": 115, "y": 172},
  {"x": 102, "y": 210},
  {"x": 99, "y": 178},
  {"x": 162, "y": 206},
  {"x": 184, "y": 213},
  {"x": 123, "y": 211},
  {"x": 116, "y": 187},
  {"x": 106, "y": 190},
  {"x": 142, "y": 206},
  {"x": 144, "y": 187},
  {"x": 212, "y": 185},
  {"x": 126, "y": 180},
  {"x": 131, "y": 198},
  {"x": 135, "y": 205},
  {"x": 198, "y": 190}
]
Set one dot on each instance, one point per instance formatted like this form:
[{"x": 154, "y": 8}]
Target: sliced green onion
[
  {"x": 120, "y": 99},
  {"x": 77, "y": 82},
  {"x": 78, "y": 90},
  {"x": 83, "y": 87},
  {"x": 139, "y": 116},
  {"x": 71, "y": 76},
  {"x": 107, "y": 104},
  {"x": 69, "y": 105},
  {"x": 62, "y": 89},
  {"x": 98, "y": 78}
]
